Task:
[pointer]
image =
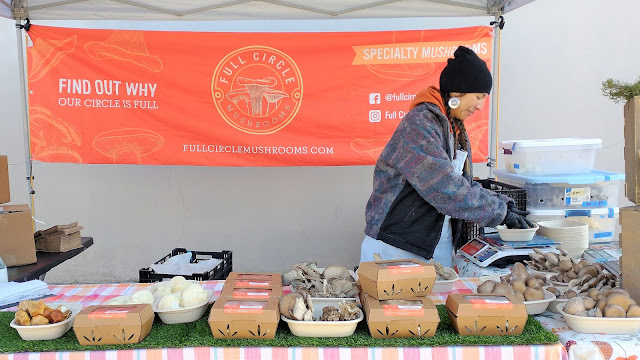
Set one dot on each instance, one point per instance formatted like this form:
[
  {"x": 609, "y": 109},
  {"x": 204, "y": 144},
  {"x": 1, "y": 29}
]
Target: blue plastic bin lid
[{"x": 588, "y": 178}]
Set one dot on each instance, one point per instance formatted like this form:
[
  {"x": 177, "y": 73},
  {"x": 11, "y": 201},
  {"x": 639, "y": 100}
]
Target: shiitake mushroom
[
  {"x": 620, "y": 299},
  {"x": 614, "y": 311}
]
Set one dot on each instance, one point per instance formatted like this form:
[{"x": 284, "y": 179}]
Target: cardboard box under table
[
  {"x": 630, "y": 245},
  {"x": 5, "y": 195},
  {"x": 400, "y": 318},
  {"x": 254, "y": 280},
  {"x": 486, "y": 314},
  {"x": 396, "y": 279},
  {"x": 17, "y": 246},
  {"x": 252, "y": 319},
  {"x": 113, "y": 324}
]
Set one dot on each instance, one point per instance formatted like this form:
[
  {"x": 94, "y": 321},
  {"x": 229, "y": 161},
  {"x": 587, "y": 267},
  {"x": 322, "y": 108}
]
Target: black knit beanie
[{"x": 465, "y": 73}]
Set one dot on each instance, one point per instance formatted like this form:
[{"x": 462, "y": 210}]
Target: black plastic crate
[
  {"x": 470, "y": 229},
  {"x": 220, "y": 272}
]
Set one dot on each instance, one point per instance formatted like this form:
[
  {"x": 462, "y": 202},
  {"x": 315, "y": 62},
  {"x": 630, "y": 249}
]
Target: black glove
[{"x": 515, "y": 219}]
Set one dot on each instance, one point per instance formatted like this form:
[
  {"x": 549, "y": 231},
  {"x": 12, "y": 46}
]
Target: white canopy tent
[
  {"x": 224, "y": 10},
  {"x": 212, "y": 10}
]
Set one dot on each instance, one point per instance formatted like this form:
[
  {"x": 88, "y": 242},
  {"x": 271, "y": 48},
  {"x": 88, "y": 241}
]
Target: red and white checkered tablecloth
[{"x": 100, "y": 293}]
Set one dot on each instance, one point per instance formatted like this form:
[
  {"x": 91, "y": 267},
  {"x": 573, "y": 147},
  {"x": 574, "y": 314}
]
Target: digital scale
[{"x": 489, "y": 249}]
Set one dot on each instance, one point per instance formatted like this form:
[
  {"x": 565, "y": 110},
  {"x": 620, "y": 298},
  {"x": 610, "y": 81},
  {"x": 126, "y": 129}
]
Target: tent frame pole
[
  {"x": 495, "y": 66},
  {"x": 24, "y": 101}
]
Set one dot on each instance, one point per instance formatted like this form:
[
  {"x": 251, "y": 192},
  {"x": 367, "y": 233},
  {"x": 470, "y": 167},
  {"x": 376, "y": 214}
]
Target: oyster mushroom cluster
[
  {"x": 332, "y": 281},
  {"x": 344, "y": 312},
  {"x": 441, "y": 274},
  {"x": 547, "y": 261},
  {"x": 520, "y": 283},
  {"x": 611, "y": 303},
  {"x": 296, "y": 306}
]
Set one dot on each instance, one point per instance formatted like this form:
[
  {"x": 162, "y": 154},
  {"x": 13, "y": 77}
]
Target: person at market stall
[{"x": 422, "y": 181}]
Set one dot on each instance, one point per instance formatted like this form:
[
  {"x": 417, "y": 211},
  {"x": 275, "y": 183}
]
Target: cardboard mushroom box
[
  {"x": 248, "y": 292},
  {"x": 113, "y": 324},
  {"x": 253, "y": 319},
  {"x": 396, "y": 318},
  {"x": 253, "y": 280},
  {"x": 486, "y": 314},
  {"x": 396, "y": 279}
]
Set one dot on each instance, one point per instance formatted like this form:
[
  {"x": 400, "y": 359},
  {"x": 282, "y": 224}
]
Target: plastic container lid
[
  {"x": 589, "y": 178},
  {"x": 551, "y": 144},
  {"x": 610, "y": 212}
]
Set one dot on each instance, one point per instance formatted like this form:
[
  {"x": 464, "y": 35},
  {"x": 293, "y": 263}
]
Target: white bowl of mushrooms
[{"x": 614, "y": 313}]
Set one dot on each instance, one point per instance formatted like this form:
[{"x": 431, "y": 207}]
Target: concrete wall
[{"x": 555, "y": 54}]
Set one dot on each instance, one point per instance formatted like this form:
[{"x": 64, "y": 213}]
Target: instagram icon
[{"x": 375, "y": 115}]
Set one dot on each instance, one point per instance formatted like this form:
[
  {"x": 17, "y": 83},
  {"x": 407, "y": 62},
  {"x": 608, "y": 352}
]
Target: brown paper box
[
  {"x": 396, "y": 279},
  {"x": 254, "y": 280},
  {"x": 249, "y": 293},
  {"x": 253, "y": 319},
  {"x": 630, "y": 245},
  {"x": 113, "y": 324},
  {"x": 486, "y": 314},
  {"x": 16, "y": 235},
  {"x": 631, "y": 147},
  {"x": 5, "y": 195},
  {"x": 386, "y": 320}
]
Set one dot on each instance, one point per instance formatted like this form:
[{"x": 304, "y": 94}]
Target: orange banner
[{"x": 232, "y": 99}]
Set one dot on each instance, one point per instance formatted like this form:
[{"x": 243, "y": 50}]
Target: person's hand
[{"x": 515, "y": 219}]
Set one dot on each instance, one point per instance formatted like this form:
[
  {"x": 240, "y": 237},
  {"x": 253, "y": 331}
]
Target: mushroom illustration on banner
[
  {"x": 127, "y": 146},
  {"x": 47, "y": 54},
  {"x": 52, "y": 139},
  {"x": 373, "y": 147},
  {"x": 406, "y": 71},
  {"x": 255, "y": 92},
  {"x": 125, "y": 45}
]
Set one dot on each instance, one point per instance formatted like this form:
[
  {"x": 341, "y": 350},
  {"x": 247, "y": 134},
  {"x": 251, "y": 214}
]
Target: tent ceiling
[{"x": 248, "y": 9}]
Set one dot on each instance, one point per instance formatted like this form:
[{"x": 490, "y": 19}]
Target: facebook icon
[{"x": 374, "y": 98}]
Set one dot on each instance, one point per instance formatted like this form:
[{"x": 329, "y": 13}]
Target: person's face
[{"x": 469, "y": 104}]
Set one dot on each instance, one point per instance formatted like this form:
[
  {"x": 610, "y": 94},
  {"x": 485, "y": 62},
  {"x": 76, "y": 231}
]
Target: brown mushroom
[
  {"x": 286, "y": 304},
  {"x": 126, "y": 146},
  {"x": 614, "y": 311}
]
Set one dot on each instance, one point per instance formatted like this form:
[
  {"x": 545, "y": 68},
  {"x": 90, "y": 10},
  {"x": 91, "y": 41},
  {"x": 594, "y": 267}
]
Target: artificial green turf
[{"x": 198, "y": 333}]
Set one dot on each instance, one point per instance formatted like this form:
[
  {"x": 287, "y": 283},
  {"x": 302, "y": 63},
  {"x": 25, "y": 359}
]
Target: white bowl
[
  {"x": 536, "y": 307},
  {"x": 323, "y": 328},
  {"x": 183, "y": 315},
  {"x": 538, "y": 272},
  {"x": 445, "y": 286},
  {"x": 600, "y": 325},
  {"x": 507, "y": 234},
  {"x": 553, "y": 305},
  {"x": 51, "y": 331}
]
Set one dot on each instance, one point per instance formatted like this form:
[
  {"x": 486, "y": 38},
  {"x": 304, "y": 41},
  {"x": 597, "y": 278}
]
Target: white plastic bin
[
  {"x": 550, "y": 156},
  {"x": 602, "y": 221},
  {"x": 595, "y": 189}
]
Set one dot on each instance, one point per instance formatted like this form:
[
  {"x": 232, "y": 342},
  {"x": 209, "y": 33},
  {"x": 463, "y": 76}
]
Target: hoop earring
[{"x": 454, "y": 102}]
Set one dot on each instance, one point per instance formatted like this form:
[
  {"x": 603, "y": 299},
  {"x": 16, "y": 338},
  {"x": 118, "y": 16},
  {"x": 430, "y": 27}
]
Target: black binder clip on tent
[
  {"x": 26, "y": 26},
  {"x": 499, "y": 22}
]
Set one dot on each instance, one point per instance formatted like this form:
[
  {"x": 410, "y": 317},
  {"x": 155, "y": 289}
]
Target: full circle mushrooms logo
[{"x": 257, "y": 89}]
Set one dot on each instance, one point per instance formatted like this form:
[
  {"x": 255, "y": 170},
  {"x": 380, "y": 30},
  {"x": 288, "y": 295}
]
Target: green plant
[{"x": 620, "y": 91}]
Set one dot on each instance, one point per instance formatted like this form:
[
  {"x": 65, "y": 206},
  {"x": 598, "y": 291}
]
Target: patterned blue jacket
[{"x": 414, "y": 186}]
